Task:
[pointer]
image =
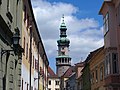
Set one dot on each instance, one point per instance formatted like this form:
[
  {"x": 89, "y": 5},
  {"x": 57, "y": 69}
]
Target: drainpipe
[
  {"x": 38, "y": 65},
  {"x": 30, "y": 56}
]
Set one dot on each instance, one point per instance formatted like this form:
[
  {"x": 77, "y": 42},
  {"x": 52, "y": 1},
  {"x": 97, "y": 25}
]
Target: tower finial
[
  {"x": 63, "y": 26},
  {"x": 63, "y": 18}
]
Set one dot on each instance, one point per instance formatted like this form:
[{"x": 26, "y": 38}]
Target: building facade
[
  {"x": 10, "y": 52},
  {"x": 63, "y": 61},
  {"x": 53, "y": 80},
  {"x": 96, "y": 65},
  {"x": 111, "y": 15},
  {"x": 71, "y": 82},
  {"x": 34, "y": 59},
  {"x": 78, "y": 69},
  {"x": 85, "y": 77}
]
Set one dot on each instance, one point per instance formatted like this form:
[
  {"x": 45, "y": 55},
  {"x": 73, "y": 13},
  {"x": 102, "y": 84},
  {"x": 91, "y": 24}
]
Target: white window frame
[
  {"x": 115, "y": 60},
  {"x": 106, "y": 23}
]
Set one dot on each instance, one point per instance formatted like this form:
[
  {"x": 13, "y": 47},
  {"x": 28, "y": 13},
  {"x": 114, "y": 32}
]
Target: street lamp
[
  {"x": 38, "y": 76},
  {"x": 16, "y": 49},
  {"x": 16, "y": 39},
  {"x": 15, "y": 42}
]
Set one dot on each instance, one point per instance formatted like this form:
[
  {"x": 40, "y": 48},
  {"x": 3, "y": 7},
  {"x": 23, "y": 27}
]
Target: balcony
[{"x": 112, "y": 79}]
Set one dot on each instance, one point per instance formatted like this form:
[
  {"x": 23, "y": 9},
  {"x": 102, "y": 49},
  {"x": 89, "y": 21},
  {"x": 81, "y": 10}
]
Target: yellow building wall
[{"x": 96, "y": 62}]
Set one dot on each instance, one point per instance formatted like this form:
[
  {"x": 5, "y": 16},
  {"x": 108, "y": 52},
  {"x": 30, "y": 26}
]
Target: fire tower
[{"x": 63, "y": 61}]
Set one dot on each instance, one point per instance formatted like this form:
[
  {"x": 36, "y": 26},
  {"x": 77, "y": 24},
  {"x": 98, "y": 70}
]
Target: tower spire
[
  {"x": 63, "y": 26},
  {"x": 63, "y": 19}
]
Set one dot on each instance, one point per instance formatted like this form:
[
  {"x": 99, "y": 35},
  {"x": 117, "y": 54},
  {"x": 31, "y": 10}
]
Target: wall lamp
[
  {"x": 16, "y": 47},
  {"x": 38, "y": 76}
]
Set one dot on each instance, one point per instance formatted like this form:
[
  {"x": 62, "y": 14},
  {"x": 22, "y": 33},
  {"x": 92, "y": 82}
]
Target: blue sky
[
  {"x": 87, "y": 9},
  {"x": 83, "y": 23}
]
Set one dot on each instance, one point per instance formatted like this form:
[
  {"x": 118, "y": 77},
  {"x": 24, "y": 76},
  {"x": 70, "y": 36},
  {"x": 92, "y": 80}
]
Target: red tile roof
[{"x": 51, "y": 73}]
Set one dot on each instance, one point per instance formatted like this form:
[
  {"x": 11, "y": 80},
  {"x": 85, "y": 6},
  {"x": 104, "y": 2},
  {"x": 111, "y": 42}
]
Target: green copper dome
[{"x": 63, "y": 41}]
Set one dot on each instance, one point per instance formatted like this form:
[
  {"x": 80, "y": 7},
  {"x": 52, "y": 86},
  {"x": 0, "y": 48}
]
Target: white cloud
[{"x": 85, "y": 34}]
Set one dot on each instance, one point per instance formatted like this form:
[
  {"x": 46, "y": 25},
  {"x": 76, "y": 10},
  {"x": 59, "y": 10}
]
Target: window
[
  {"x": 106, "y": 23},
  {"x": 0, "y": 2},
  {"x": 65, "y": 60},
  {"x": 63, "y": 53},
  {"x": 63, "y": 33},
  {"x": 96, "y": 75},
  {"x": 25, "y": 13},
  {"x": 33, "y": 62},
  {"x": 56, "y": 82},
  {"x": 36, "y": 64},
  {"x": 118, "y": 15},
  {"x": 24, "y": 45},
  {"x": 101, "y": 73},
  {"x": 92, "y": 78},
  {"x": 49, "y": 82},
  {"x": 27, "y": 86},
  {"x": 22, "y": 85},
  {"x": 30, "y": 56},
  {"x": 27, "y": 51},
  {"x": 11, "y": 78},
  {"x": 62, "y": 60},
  {"x": 31, "y": 88},
  {"x": 107, "y": 65},
  {"x": 115, "y": 63},
  {"x": 28, "y": 21},
  {"x": 58, "y": 89}
]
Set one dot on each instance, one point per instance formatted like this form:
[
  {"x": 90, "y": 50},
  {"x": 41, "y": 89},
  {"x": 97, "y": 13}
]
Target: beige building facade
[
  {"x": 54, "y": 83},
  {"x": 34, "y": 59},
  {"x": 96, "y": 65},
  {"x": 53, "y": 80}
]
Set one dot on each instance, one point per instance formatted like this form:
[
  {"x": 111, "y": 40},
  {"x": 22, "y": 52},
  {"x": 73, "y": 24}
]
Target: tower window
[
  {"x": 63, "y": 53},
  {"x": 62, "y": 48},
  {"x": 62, "y": 60},
  {"x": 65, "y": 60}
]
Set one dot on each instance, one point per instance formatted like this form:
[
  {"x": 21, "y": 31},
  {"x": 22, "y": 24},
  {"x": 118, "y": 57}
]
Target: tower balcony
[{"x": 63, "y": 60}]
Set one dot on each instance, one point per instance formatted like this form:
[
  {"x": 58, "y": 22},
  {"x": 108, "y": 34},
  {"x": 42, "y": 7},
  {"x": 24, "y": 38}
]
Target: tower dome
[{"x": 63, "y": 41}]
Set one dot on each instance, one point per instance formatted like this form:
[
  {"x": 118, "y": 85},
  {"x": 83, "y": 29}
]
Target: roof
[
  {"x": 107, "y": 1},
  {"x": 69, "y": 72},
  {"x": 51, "y": 73},
  {"x": 80, "y": 64},
  {"x": 91, "y": 55}
]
